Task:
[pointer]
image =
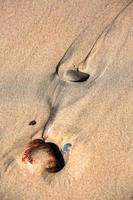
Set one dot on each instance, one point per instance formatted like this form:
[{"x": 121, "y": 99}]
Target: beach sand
[{"x": 45, "y": 46}]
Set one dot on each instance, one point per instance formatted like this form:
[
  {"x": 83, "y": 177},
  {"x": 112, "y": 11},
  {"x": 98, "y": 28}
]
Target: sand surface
[{"x": 41, "y": 42}]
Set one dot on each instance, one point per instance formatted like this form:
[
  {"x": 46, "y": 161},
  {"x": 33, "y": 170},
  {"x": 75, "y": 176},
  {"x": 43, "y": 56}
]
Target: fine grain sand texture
[{"x": 67, "y": 65}]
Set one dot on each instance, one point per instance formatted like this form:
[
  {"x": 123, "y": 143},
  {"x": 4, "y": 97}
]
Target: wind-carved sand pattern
[
  {"x": 86, "y": 105},
  {"x": 99, "y": 58},
  {"x": 99, "y": 62}
]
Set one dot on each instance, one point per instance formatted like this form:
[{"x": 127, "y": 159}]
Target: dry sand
[{"x": 40, "y": 42}]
